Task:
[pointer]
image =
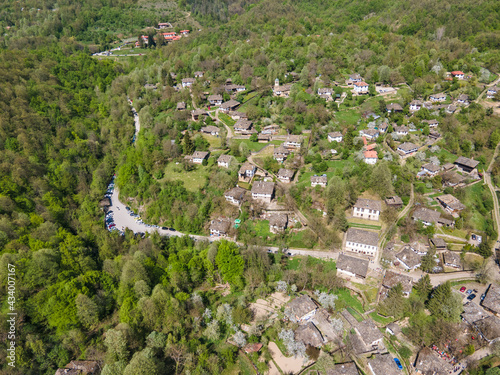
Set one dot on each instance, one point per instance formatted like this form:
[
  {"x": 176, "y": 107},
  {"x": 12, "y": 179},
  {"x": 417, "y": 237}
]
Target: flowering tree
[
  {"x": 282, "y": 286},
  {"x": 224, "y": 312},
  {"x": 326, "y": 300},
  {"x": 207, "y": 314},
  {"x": 295, "y": 348},
  {"x": 337, "y": 325},
  {"x": 212, "y": 332},
  {"x": 239, "y": 339}
]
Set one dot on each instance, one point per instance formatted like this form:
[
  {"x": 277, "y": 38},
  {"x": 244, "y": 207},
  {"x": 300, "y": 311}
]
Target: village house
[
  {"x": 224, "y": 161},
  {"x": 80, "y": 368},
  {"x": 451, "y": 204},
  {"x": 466, "y": 165},
  {"x": 234, "y": 88},
  {"x": 215, "y": 99},
  {"x": 181, "y": 106},
  {"x": 408, "y": 258},
  {"x": 383, "y": 127},
  {"x": 492, "y": 91},
  {"x": 199, "y": 156},
  {"x": 196, "y": 113},
  {"x": 285, "y": 175},
  {"x": 348, "y": 368},
  {"x": 353, "y": 78},
  {"x": 219, "y": 227},
  {"x": 187, "y": 82},
  {"x": 458, "y": 74},
  {"x": 452, "y": 259},
  {"x": 472, "y": 313},
  {"x": 235, "y": 115},
  {"x": 394, "y": 107},
  {"x": 369, "y": 133},
  {"x": 392, "y": 278},
  {"x": 419, "y": 248},
  {"x": 434, "y": 135},
  {"x": 230, "y": 105},
  {"x": 438, "y": 243},
  {"x": 243, "y": 127},
  {"x": 489, "y": 328},
  {"x": 491, "y": 301},
  {"x": 335, "y": 137},
  {"x": 282, "y": 91},
  {"x": 415, "y": 105},
  {"x": 450, "y": 109},
  {"x": 271, "y": 129},
  {"x": 429, "y": 169},
  {"x": 428, "y": 362},
  {"x": 184, "y": 32},
  {"x": 367, "y": 209},
  {"x": 426, "y": 216},
  {"x": 235, "y": 195},
  {"x": 198, "y": 74},
  {"x": 278, "y": 223},
  {"x": 463, "y": 99},
  {"x": 326, "y": 91},
  {"x": 302, "y": 308},
  {"x": 319, "y": 180},
  {"x": 247, "y": 171},
  {"x": 280, "y": 154},
  {"x": 361, "y": 241},
  {"x": 211, "y": 129},
  {"x": 361, "y": 88},
  {"x": 407, "y": 149},
  {"x": 369, "y": 333},
  {"x": 383, "y": 364},
  {"x": 393, "y": 329},
  {"x": 441, "y": 97},
  {"x": 352, "y": 267},
  {"x": 263, "y": 190},
  {"x": 252, "y": 348},
  {"x": 164, "y": 25},
  {"x": 370, "y": 157},
  {"x": 401, "y": 130},
  {"x": 394, "y": 201},
  {"x": 431, "y": 123},
  {"x": 263, "y": 138},
  {"x": 310, "y": 335},
  {"x": 293, "y": 142}
]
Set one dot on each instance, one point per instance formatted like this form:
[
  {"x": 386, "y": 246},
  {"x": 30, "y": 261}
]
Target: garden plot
[
  {"x": 288, "y": 365},
  {"x": 265, "y": 309}
]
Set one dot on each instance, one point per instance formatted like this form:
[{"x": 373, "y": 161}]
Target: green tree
[
  {"x": 188, "y": 147},
  {"x": 87, "y": 310},
  {"x": 381, "y": 180},
  {"x": 230, "y": 263},
  {"x": 423, "y": 287},
  {"x": 445, "y": 303}
]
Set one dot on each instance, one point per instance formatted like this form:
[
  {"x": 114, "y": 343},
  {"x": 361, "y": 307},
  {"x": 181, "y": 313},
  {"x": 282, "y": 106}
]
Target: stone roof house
[
  {"x": 391, "y": 279},
  {"x": 293, "y": 141},
  {"x": 215, "y": 99},
  {"x": 80, "y": 368},
  {"x": 361, "y": 241},
  {"x": 452, "y": 259},
  {"x": 465, "y": 164},
  {"x": 438, "y": 243},
  {"x": 428, "y": 362},
  {"x": 243, "y": 126},
  {"x": 472, "y": 313},
  {"x": 278, "y": 223},
  {"x": 263, "y": 190},
  {"x": 383, "y": 364},
  {"x": 430, "y": 169},
  {"x": 407, "y": 149},
  {"x": 285, "y": 175},
  {"x": 426, "y": 215},
  {"x": 352, "y": 266},
  {"x": 230, "y": 105},
  {"x": 393, "y": 329},
  {"x": 369, "y": 333},
  {"x": 247, "y": 171},
  {"x": 491, "y": 301},
  {"x": 367, "y": 209},
  {"x": 219, "y": 227},
  {"x": 394, "y": 107},
  {"x": 309, "y": 334},
  {"x": 408, "y": 258},
  {"x": 280, "y": 153},
  {"x": 199, "y": 156},
  {"x": 235, "y": 195},
  {"x": 451, "y": 204},
  {"x": 394, "y": 201},
  {"x": 211, "y": 129},
  {"x": 181, "y": 106},
  {"x": 224, "y": 160},
  {"x": 319, "y": 180},
  {"x": 489, "y": 328},
  {"x": 348, "y": 368},
  {"x": 303, "y": 308}
]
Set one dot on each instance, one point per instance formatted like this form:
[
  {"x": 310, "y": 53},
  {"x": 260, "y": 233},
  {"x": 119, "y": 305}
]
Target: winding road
[{"x": 487, "y": 179}]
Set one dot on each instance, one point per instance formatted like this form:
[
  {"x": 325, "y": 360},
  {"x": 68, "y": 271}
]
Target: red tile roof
[
  {"x": 370, "y": 154},
  {"x": 457, "y": 72}
]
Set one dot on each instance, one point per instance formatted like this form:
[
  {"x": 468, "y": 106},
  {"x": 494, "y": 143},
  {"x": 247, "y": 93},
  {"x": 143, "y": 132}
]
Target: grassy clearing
[
  {"x": 215, "y": 142},
  {"x": 298, "y": 240},
  {"x": 380, "y": 319},
  {"x": 193, "y": 180},
  {"x": 365, "y": 226},
  {"x": 295, "y": 262},
  {"x": 474, "y": 200},
  {"x": 226, "y": 119},
  {"x": 350, "y": 300},
  {"x": 355, "y": 314},
  {"x": 261, "y": 228},
  {"x": 347, "y": 117},
  {"x": 255, "y": 146}
]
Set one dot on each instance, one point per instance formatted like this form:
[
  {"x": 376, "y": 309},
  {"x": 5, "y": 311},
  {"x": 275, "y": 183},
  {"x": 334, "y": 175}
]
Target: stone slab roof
[
  {"x": 309, "y": 335},
  {"x": 362, "y": 236},
  {"x": 343, "y": 369},
  {"x": 409, "y": 257},
  {"x": 472, "y": 312},
  {"x": 492, "y": 299},
  {"x": 471, "y": 163},
  {"x": 302, "y": 305},
  {"x": 352, "y": 264},
  {"x": 391, "y": 279},
  {"x": 426, "y": 214},
  {"x": 428, "y": 362},
  {"x": 263, "y": 187},
  {"x": 383, "y": 364},
  {"x": 278, "y": 220},
  {"x": 368, "y": 204}
]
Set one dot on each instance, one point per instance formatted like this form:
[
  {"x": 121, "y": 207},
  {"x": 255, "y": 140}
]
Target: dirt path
[
  {"x": 487, "y": 179},
  {"x": 288, "y": 365}
]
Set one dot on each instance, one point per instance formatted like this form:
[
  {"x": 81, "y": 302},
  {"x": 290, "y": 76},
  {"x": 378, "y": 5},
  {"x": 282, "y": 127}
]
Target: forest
[{"x": 152, "y": 305}]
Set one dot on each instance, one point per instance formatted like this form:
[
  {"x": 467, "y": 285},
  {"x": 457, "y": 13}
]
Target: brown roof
[
  {"x": 210, "y": 129},
  {"x": 236, "y": 193},
  {"x": 409, "y": 257},
  {"x": 199, "y": 111},
  {"x": 281, "y": 150},
  {"x": 343, "y": 369},
  {"x": 200, "y": 154},
  {"x": 463, "y": 97},
  {"x": 263, "y": 187},
  {"x": 489, "y": 327},
  {"x": 302, "y": 305},
  {"x": 438, "y": 242},
  {"x": 429, "y": 363},
  {"x": 394, "y": 106},
  {"x": 220, "y": 225},
  {"x": 243, "y": 124},
  {"x": 252, "y": 348},
  {"x": 286, "y": 173},
  {"x": 309, "y": 335},
  {"x": 352, "y": 264},
  {"x": 335, "y": 134},
  {"x": 224, "y": 158},
  {"x": 431, "y": 167},
  {"x": 368, "y": 331},
  {"x": 452, "y": 258},
  {"x": 471, "y": 163},
  {"x": 67, "y": 371},
  {"x": 319, "y": 179},
  {"x": 426, "y": 214},
  {"x": 278, "y": 220},
  {"x": 473, "y": 312},
  {"x": 247, "y": 166},
  {"x": 230, "y": 104},
  {"x": 391, "y": 279},
  {"x": 492, "y": 299},
  {"x": 362, "y": 236},
  {"x": 369, "y": 204},
  {"x": 181, "y": 105},
  {"x": 383, "y": 364},
  {"x": 215, "y": 98},
  {"x": 407, "y": 146},
  {"x": 294, "y": 138},
  {"x": 451, "y": 202},
  {"x": 395, "y": 200}
]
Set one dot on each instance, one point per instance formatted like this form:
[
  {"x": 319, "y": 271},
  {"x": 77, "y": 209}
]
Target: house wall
[
  {"x": 366, "y": 213},
  {"x": 361, "y": 248}
]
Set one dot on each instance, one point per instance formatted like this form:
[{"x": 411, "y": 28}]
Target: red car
[{"x": 462, "y": 289}]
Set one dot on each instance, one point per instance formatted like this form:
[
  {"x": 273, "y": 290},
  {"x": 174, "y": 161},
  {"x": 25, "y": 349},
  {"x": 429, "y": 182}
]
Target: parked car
[
  {"x": 482, "y": 296},
  {"x": 398, "y": 363},
  {"x": 164, "y": 228},
  {"x": 462, "y": 289},
  {"x": 471, "y": 297},
  {"x": 469, "y": 291}
]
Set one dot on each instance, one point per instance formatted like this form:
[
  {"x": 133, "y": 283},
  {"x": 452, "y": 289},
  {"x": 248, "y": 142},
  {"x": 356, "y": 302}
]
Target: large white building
[
  {"x": 361, "y": 241},
  {"x": 367, "y": 209}
]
